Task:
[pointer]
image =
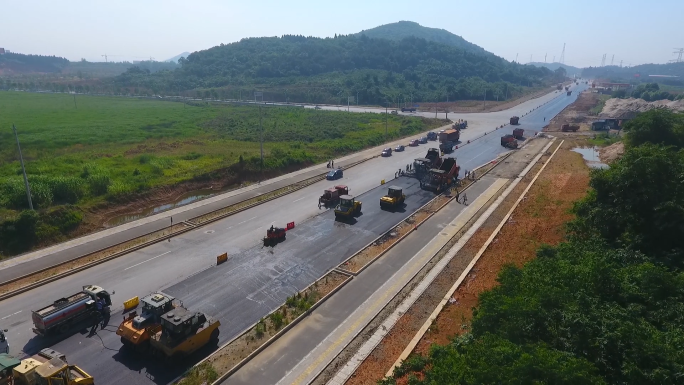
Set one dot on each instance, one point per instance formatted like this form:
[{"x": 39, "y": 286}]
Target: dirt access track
[
  {"x": 538, "y": 219},
  {"x": 578, "y": 113}
]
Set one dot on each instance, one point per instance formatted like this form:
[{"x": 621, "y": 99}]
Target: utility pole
[
  {"x": 516, "y": 58},
  {"x": 562, "y": 58},
  {"x": 484, "y": 99},
  {"x": 75, "y": 100},
  {"x": 21, "y": 160},
  {"x": 261, "y": 129},
  {"x": 611, "y": 59},
  {"x": 386, "y": 120},
  {"x": 545, "y": 55}
]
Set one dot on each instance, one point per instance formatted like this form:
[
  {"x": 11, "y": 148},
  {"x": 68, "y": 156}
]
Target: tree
[{"x": 658, "y": 126}]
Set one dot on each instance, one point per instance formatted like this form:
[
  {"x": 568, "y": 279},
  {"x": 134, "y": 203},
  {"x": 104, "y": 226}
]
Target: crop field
[{"x": 90, "y": 150}]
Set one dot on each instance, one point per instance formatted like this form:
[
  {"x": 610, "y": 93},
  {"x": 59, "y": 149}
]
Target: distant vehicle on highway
[
  {"x": 317, "y": 108},
  {"x": 394, "y": 112},
  {"x": 432, "y": 135},
  {"x": 334, "y": 174},
  {"x": 423, "y": 140},
  {"x": 408, "y": 109},
  {"x": 413, "y": 143},
  {"x": 399, "y": 148},
  {"x": 387, "y": 152}
]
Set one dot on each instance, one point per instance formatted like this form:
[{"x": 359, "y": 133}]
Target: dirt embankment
[
  {"x": 578, "y": 113},
  {"x": 611, "y": 153},
  {"x": 617, "y": 108}
]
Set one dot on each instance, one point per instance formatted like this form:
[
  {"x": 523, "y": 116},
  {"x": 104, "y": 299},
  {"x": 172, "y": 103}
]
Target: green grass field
[{"x": 107, "y": 148}]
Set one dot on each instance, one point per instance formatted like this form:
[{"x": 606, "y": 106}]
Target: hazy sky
[{"x": 634, "y": 31}]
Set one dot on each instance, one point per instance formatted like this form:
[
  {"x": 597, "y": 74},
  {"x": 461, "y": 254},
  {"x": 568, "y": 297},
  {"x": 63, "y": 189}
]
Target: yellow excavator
[
  {"x": 135, "y": 330},
  {"x": 183, "y": 332},
  {"x": 393, "y": 199},
  {"x": 45, "y": 368}
]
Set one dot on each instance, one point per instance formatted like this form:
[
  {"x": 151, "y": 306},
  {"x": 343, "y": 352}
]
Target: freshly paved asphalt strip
[{"x": 320, "y": 337}]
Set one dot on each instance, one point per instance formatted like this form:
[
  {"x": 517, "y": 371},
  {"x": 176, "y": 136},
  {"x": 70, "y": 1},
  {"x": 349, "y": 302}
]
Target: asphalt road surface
[{"x": 180, "y": 266}]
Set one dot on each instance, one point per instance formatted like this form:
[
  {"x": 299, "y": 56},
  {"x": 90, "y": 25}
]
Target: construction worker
[
  {"x": 332, "y": 163},
  {"x": 465, "y": 199},
  {"x": 407, "y": 168}
]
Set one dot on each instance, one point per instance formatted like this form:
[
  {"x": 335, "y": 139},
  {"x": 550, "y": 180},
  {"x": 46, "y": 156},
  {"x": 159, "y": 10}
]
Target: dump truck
[
  {"x": 393, "y": 199},
  {"x": 408, "y": 109},
  {"x": 567, "y": 128},
  {"x": 569, "y": 93},
  {"x": 567, "y": 88},
  {"x": 49, "y": 367},
  {"x": 60, "y": 316},
  {"x": 519, "y": 133},
  {"x": 559, "y": 86},
  {"x": 183, "y": 332},
  {"x": 441, "y": 178},
  {"x": 332, "y": 195},
  {"x": 135, "y": 330},
  {"x": 348, "y": 207},
  {"x": 433, "y": 156},
  {"x": 514, "y": 120},
  {"x": 449, "y": 136},
  {"x": 421, "y": 167},
  {"x": 509, "y": 141}
]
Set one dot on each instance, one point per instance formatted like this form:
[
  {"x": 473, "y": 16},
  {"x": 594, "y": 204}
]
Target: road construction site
[{"x": 254, "y": 280}]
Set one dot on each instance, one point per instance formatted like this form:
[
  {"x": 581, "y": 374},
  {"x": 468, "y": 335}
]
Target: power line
[{"x": 679, "y": 52}]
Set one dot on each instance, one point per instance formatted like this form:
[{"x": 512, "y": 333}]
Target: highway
[{"x": 251, "y": 284}]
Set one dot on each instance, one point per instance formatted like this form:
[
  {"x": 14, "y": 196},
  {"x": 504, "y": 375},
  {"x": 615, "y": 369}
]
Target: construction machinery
[
  {"x": 183, "y": 332},
  {"x": 568, "y": 128},
  {"x": 450, "y": 135},
  {"x": 446, "y": 147},
  {"x": 514, "y": 120},
  {"x": 408, "y": 109},
  {"x": 64, "y": 313},
  {"x": 135, "y": 330},
  {"x": 48, "y": 368},
  {"x": 569, "y": 93},
  {"x": 559, "y": 86},
  {"x": 348, "y": 207},
  {"x": 567, "y": 88},
  {"x": 393, "y": 199},
  {"x": 441, "y": 178},
  {"x": 4, "y": 343},
  {"x": 332, "y": 195},
  {"x": 519, "y": 133},
  {"x": 509, "y": 141},
  {"x": 274, "y": 235},
  {"x": 434, "y": 158},
  {"x": 460, "y": 125}
]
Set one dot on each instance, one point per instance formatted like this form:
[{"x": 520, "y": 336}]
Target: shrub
[
  {"x": 118, "y": 190},
  {"x": 99, "y": 184}
]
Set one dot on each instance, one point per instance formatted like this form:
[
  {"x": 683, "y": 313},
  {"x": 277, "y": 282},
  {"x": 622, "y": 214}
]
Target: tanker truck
[{"x": 61, "y": 315}]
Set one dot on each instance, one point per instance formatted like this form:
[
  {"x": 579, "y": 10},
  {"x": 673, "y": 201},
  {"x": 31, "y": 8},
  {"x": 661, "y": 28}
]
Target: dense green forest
[
  {"x": 309, "y": 69},
  {"x": 404, "y": 29},
  {"x": 605, "y": 307},
  {"x": 19, "y": 63}
]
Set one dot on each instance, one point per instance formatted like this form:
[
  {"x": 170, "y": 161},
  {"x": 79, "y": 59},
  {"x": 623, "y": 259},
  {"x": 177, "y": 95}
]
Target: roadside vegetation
[
  {"x": 605, "y": 306},
  {"x": 85, "y": 152}
]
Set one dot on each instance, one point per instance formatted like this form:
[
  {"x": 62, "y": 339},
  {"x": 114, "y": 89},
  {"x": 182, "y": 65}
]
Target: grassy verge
[
  {"x": 604, "y": 139},
  {"x": 601, "y": 103}
]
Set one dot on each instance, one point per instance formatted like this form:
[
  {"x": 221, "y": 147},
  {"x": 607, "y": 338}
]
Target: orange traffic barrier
[{"x": 221, "y": 258}]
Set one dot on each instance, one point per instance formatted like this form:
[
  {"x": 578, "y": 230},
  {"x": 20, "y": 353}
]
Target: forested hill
[
  {"x": 378, "y": 69},
  {"x": 19, "y": 63},
  {"x": 644, "y": 70},
  {"x": 403, "y": 29}
]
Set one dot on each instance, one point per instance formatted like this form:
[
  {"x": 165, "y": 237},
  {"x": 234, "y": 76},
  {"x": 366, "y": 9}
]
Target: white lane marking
[
  {"x": 230, "y": 227},
  {"x": 130, "y": 267},
  {"x": 297, "y": 200},
  {"x": 7, "y": 316}
]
